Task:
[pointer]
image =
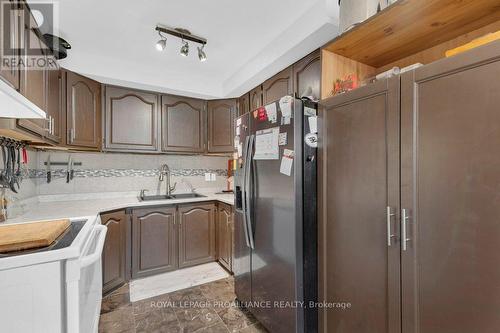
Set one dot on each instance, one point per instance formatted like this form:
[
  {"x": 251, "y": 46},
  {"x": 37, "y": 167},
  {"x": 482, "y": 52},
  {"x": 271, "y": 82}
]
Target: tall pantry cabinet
[{"x": 411, "y": 186}]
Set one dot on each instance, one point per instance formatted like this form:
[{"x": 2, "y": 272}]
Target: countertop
[
  {"x": 84, "y": 207},
  {"x": 90, "y": 205}
]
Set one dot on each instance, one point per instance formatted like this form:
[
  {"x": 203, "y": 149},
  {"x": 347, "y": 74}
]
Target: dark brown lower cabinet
[
  {"x": 114, "y": 256},
  {"x": 196, "y": 234},
  {"x": 410, "y": 201},
  {"x": 154, "y": 241},
  {"x": 225, "y": 235}
]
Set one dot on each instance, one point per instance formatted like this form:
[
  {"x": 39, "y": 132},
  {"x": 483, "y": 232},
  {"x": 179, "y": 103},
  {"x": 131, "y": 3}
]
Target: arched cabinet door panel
[
  {"x": 255, "y": 98},
  {"x": 221, "y": 125},
  {"x": 196, "y": 234},
  {"x": 114, "y": 255},
  {"x": 278, "y": 86},
  {"x": 83, "y": 97},
  {"x": 225, "y": 235},
  {"x": 131, "y": 120},
  {"x": 307, "y": 75},
  {"x": 154, "y": 241},
  {"x": 182, "y": 123}
]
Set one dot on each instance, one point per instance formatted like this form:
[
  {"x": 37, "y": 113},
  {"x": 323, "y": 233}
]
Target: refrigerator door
[
  {"x": 274, "y": 232},
  {"x": 242, "y": 251}
]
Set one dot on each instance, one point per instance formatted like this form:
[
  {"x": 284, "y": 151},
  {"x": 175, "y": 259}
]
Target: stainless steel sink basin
[{"x": 170, "y": 197}]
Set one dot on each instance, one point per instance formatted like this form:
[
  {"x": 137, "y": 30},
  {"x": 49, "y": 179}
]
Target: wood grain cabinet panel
[
  {"x": 196, "y": 234},
  {"x": 221, "y": 125},
  {"x": 114, "y": 256},
  {"x": 10, "y": 28},
  {"x": 225, "y": 235},
  {"x": 278, "y": 86},
  {"x": 244, "y": 104},
  {"x": 131, "y": 119},
  {"x": 33, "y": 82},
  {"x": 83, "y": 116},
  {"x": 154, "y": 241},
  {"x": 307, "y": 76},
  {"x": 182, "y": 123},
  {"x": 255, "y": 98},
  {"x": 54, "y": 104}
]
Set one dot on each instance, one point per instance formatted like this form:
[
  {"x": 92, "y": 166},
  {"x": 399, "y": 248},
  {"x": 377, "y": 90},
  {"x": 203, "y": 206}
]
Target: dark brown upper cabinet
[
  {"x": 114, "y": 255},
  {"x": 244, "y": 104},
  {"x": 255, "y": 97},
  {"x": 196, "y": 234},
  {"x": 307, "y": 76},
  {"x": 83, "y": 111},
  {"x": 33, "y": 82},
  {"x": 221, "y": 125},
  {"x": 225, "y": 235},
  {"x": 278, "y": 86},
  {"x": 131, "y": 120},
  {"x": 154, "y": 241},
  {"x": 182, "y": 124},
  {"x": 11, "y": 22},
  {"x": 55, "y": 105}
]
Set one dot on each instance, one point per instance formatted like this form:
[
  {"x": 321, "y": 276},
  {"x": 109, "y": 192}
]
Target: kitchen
[{"x": 159, "y": 177}]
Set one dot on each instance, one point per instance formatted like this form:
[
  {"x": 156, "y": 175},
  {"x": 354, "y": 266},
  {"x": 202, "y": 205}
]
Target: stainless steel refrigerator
[{"x": 275, "y": 264}]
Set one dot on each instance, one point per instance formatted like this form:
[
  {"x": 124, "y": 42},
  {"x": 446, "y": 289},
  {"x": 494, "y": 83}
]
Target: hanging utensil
[
  {"x": 18, "y": 171},
  {"x": 71, "y": 170},
  {"x": 68, "y": 170},
  {"x": 3, "y": 180},
  {"x": 49, "y": 174},
  {"x": 11, "y": 166}
]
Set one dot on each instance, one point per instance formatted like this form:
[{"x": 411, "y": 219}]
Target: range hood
[{"x": 15, "y": 105}]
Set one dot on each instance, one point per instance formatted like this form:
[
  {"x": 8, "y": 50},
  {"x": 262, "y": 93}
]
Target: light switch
[
  {"x": 207, "y": 176},
  {"x": 213, "y": 177}
]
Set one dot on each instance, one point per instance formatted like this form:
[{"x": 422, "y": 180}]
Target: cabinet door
[
  {"x": 154, "y": 241},
  {"x": 255, "y": 97},
  {"x": 278, "y": 86},
  {"x": 183, "y": 124},
  {"x": 11, "y": 22},
  {"x": 221, "y": 125},
  {"x": 244, "y": 104},
  {"x": 225, "y": 235},
  {"x": 114, "y": 256},
  {"x": 450, "y": 180},
  {"x": 34, "y": 80},
  {"x": 54, "y": 104},
  {"x": 196, "y": 234},
  {"x": 131, "y": 119},
  {"x": 307, "y": 76},
  {"x": 362, "y": 263},
  {"x": 83, "y": 99}
]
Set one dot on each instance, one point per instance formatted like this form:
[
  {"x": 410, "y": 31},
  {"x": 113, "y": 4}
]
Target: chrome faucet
[{"x": 165, "y": 173}]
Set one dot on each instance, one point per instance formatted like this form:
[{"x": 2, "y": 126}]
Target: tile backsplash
[{"x": 117, "y": 172}]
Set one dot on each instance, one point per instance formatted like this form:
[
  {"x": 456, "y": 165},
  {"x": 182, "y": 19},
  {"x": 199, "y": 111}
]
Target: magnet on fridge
[{"x": 311, "y": 140}]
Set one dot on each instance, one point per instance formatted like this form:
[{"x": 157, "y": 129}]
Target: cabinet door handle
[
  {"x": 404, "y": 220},
  {"x": 389, "y": 216}
]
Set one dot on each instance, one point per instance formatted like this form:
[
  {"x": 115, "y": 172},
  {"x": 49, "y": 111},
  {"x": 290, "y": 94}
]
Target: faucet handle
[
  {"x": 172, "y": 188},
  {"x": 142, "y": 193}
]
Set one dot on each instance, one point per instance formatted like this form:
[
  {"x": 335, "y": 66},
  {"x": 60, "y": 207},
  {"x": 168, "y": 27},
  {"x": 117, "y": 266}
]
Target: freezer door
[
  {"x": 274, "y": 234},
  {"x": 241, "y": 265}
]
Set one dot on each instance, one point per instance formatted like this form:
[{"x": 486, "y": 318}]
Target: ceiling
[{"x": 113, "y": 41}]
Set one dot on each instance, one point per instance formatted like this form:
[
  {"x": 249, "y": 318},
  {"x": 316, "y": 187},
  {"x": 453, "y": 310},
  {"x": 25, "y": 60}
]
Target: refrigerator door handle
[
  {"x": 404, "y": 220},
  {"x": 249, "y": 190},
  {"x": 244, "y": 192},
  {"x": 389, "y": 216}
]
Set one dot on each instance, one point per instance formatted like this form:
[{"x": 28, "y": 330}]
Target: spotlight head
[
  {"x": 201, "y": 54},
  {"x": 161, "y": 44},
  {"x": 185, "y": 49}
]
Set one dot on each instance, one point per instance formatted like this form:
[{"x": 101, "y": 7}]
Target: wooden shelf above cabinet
[
  {"x": 410, "y": 26},
  {"x": 405, "y": 33}
]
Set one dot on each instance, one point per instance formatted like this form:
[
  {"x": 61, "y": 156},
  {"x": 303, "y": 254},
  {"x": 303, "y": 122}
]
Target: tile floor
[{"x": 207, "y": 308}]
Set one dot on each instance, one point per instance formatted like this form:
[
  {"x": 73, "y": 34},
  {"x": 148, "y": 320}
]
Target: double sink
[{"x": 170, "y": 197}]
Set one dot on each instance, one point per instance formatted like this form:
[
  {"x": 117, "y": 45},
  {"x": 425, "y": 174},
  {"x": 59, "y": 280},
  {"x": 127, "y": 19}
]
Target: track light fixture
[
  {"x": 184, "y": 48},
  {"x": 185, "y": 36},
  {"x": 162, "y": 43},
  {"x": 201, "y": 54}
]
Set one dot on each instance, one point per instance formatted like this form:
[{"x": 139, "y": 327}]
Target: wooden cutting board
[{"x": 26, "y": 236}]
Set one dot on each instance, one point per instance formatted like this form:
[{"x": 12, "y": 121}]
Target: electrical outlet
[
  {"x": 213, "y": 177},
  {"x": 207, "y": 176}
]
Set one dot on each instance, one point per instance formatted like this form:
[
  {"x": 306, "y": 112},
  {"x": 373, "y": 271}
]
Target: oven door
[{"x": 84, "y": 285}]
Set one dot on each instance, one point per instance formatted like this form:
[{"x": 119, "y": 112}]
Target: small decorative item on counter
[
  {"x": 473, "y": 44},
  {"x": 349, "y": 82},
  {"x": 3, "y": 207}
]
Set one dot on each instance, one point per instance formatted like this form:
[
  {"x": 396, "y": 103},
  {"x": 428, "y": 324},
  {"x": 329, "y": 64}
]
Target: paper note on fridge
[
  {"x": 313, "y": 124},
  {"x": 272, "y": 114},
  {"x": 286, "y": 103},
  {"x": 266, "y": 144},
  {"x": 287, "y": 162}
]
